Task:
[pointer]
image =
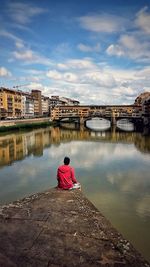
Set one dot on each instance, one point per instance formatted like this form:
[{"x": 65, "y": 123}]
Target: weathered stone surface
[{"x": 63, "y": 229}]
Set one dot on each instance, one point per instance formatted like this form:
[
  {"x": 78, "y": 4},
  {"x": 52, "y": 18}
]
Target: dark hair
[{"x": 66, "y": 161}]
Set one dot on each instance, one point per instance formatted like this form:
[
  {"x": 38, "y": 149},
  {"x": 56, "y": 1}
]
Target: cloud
[
  {"x": 92, "y": 83},
  {"x": 70, "y": 77},
  {"x": 130, "y": 46},
  {"x": 11, "y": 36},
  {"x": 35, "y": 85},
  {"x": 54, "y": 75},
  {"x": 115, "y": 50},
  {"x": 143, "y": 73},
  {"x": 89, "y": 79},
  {"x": 25, "y": 55},
  {"x": 19, "y": 44},
  {"x": 62, "y": 49},
  {"x": 28, "y": 56},
  {"x": 66, "y": 77},
  {"x": 80, "y": 64},
  {"x": 143, "y": 206},
  {"x": 4, "y": 72},
  {"x": 134, "y": 43},
  {"x": 143, "y": 20},
  {"x": 102, "y": 23},
  {"x": 100, "y": 78},
  {"x": 87, "y": 48},
  {"x": 23, "y": 13},
  {"x": 62, "y": 66}
]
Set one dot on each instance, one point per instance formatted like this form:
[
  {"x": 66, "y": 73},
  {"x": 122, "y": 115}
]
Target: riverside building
[
  {"x": 27, "y": 105},
  {"x": 45, "y": 106},
  {"x": 36, "y": 94},
  {"x": 10, "y": 103}
]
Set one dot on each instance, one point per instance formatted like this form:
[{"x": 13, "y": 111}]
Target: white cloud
[
  {"x": 129, "y": 42},
  {"x": 24, "y": 55},
  {"x": 143, "y": 206},
  {"x": 54, "y": 75},
  {"x": 102, "y": 23},
  {"x": 61, "y": 66},
  {"x": 88, "y": 48},
  {"x": 144, "y": 73},
  {"x": 64, "y": 77},
  {"x": 62, "y": 48},
  {"x": 143, "y": 20},
  {"x": 115, "y": 50},
  {"x": 70, "y": 77},
  {"x": 4, "y": 72},
  {"x": 100, "y": 78},
  {"x": 35, "y": 85},
  {"x": 79, "y": 64},
  {"x": 94, "y": 84},
  {"x": 11, "y": 36},
  {"x": 28, "y": 56},
  {"x": 23, "y": 13},
  {"x": 87, "y": 79},
  {"x": 130, "y": 46},
  {"x": 19, "y": 44}
]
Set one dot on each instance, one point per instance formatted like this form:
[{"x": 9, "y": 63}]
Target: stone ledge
[{"x": 61, "y": 228}]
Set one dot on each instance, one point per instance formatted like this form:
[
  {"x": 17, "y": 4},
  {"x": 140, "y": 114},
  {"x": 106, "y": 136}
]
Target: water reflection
[
  {"x": 17, "y": 146},
  {"x": 112, "y": 166},
  {"x": 98, "y": 124},
  {"x": 125, "y": 125}
]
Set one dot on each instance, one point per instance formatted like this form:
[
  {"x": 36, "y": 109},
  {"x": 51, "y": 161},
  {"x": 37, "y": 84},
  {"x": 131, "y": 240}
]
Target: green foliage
[{"x": 32, "y": 125}]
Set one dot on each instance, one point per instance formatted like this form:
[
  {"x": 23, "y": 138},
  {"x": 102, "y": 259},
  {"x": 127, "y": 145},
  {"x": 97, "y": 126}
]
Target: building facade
[
  {"x": 45, "y": 106},
  {"x": 36, "y": 94},
  {"x": 60, "y": 101},
  {"x": 146, "y": 111},
  {"x": 10, "y": 103},
  {"x": 27, "y": 106}
]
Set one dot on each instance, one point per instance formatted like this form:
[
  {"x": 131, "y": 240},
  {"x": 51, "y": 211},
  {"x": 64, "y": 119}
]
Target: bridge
[{"x": 81, "y": 114}]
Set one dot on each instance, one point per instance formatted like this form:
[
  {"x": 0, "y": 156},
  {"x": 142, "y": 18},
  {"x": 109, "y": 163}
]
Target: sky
[{"x": 97, "y": 52}]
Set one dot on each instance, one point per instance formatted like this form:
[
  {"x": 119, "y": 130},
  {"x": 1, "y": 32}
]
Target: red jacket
[{"x": 66, "y": 177}]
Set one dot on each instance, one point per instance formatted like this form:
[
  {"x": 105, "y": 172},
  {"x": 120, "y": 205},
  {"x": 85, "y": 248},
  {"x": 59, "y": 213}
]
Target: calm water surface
[{"x": 113, "y": 167}]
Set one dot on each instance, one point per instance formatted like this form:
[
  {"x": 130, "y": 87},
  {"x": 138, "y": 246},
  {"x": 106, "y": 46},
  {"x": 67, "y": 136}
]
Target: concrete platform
[{"x": 61, "y": 229}]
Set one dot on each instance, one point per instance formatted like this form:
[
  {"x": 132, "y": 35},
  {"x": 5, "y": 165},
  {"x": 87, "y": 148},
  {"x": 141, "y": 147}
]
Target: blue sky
[{"x": 97, "y": 52}]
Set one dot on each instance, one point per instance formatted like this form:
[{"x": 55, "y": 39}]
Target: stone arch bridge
[{"x": 81, "y": 114}]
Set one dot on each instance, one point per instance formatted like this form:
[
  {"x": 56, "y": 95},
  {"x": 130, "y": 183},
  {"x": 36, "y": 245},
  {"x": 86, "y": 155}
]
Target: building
[
  {"x": 36, "y": 94},
  {"x": 146, "y": 111},
  {"x": 10, "y": 103},
  {"x": 69, "y": 101},
  {"x": 55, "y": 101},
  {"x": 27, "y": 106},
  {"x": 62, "y": 101},
  {"x": 45, "y": 106},
  {"x": 142, "y": 106},
  {"x": 141, "y": 98}
]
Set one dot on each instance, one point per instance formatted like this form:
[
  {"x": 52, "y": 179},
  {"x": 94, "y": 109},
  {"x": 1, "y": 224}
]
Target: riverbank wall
[
  {"x": 61, "y": 228},
  {"x": 24, "y": 123}
]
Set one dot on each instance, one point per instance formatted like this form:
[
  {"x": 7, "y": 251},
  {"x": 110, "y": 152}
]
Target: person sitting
[{"x": 66, "y": 176}]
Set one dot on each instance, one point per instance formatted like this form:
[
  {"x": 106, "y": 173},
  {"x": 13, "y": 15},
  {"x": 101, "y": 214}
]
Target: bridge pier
[
  {"x": 145, "y": 121},
  {"x": 113, "y": 119},
  {"x": 81, "y": 121}
]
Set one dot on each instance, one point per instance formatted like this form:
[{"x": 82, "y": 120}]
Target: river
[{"x": 112, "y": 165}]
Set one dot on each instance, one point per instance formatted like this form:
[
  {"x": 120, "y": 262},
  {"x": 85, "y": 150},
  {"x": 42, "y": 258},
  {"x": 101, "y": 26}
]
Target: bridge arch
[
  {"x": 98, "y": 123},
  {"x": 97, "y": 116},
  {"x": 69, "y": 119}
]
